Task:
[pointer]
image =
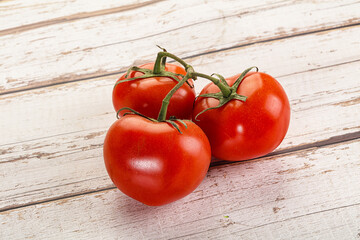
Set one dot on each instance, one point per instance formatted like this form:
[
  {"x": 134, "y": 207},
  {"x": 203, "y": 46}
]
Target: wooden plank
[
  {"x": 39, "y": 13},
  {"x": 278, "y": 58},
  {"x": 293, "y": 196},
  {"x": 58, "y": 131},
  {"x": 91, "y": 48},
  {"x": 339, "y": 223}
]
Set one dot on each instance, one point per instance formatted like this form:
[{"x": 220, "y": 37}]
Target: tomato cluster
[{"x": 160, "y": 148}]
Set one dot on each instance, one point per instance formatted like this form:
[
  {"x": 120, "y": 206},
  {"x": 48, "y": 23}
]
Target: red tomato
[
  {"x": 146, "y": 95},
  {"x": 244, "y": 130},
  {"x": 152, "y": 162}
]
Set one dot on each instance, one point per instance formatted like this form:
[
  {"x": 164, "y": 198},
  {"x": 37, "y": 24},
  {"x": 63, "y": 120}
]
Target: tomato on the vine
[
  {"x": 153, "y": 162},
  {"x": 145, "y": 95},
  {"x": 241, "y": 130},
  {"x": 156, "y": 158}
]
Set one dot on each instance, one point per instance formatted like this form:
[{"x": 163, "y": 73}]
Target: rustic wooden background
[{"x": 60, "y": 59}]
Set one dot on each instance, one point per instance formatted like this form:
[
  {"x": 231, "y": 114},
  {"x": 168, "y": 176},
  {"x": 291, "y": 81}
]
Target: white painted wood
[
  {"x": 110, "y": 43},
  {"x": 71, "y": 107},
  {"x": 310, "y": 194},
  {"x": 53, "y": 184},
  {"x": 33, "y": 12},
  {"x": 52, "y": 137}
]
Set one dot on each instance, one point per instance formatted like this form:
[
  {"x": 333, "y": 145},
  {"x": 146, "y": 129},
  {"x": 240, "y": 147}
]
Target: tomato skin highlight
[
  {"x": 245, "y": 130},
  {"x": 146, "y": 95},
  {"x": 152, "y": 162}
]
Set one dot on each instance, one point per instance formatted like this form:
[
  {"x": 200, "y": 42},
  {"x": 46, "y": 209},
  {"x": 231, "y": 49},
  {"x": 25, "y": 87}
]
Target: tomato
[
  {"x": 244, "y": 130},
  {"x": 146, "y": 95},
  {"x": 152, "y": 162}
]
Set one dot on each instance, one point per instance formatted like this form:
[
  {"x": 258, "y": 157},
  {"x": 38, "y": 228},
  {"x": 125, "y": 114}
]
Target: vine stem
[
  {"x": 225, "y": 90},
  {"x": 158, "y": 62},
  {"x": 166, "y": 100},
  {"x": 159, "y": 66}
]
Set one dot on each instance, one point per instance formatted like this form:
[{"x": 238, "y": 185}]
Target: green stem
[
  {"x": 226, "y": 90},
  {"x": 166, "y": 100},
  {"x": 161, "y": 55}
]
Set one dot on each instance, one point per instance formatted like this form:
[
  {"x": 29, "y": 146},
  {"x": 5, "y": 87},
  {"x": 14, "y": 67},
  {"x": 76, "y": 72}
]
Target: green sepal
[
  {"x": 182, "y": 122},
  {"x": 240, "y": 97},
  {"x": 174, "y": 124},
  {"x": 241, "y": 77},
  {"x": 171, "y": 120},
  {"x": 217, "y": 95},
  {"x": 148, "y": 73},
  {"x": 222, "y": 79},
  {"x": 132, "y": 111},
  {"x": 137, "y": 69},
  {"x": 222, "y": 102},
  {"x": 233, "y": 89}
]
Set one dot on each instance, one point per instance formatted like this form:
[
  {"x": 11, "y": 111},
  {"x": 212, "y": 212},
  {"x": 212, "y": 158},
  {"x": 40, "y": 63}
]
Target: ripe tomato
[
  {"x": 152, "y": 162},
  {"x": 244, "y": 130},
  {"x": 146, "y": 95}
]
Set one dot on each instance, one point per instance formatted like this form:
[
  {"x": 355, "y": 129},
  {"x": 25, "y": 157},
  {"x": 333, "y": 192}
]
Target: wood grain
[
  {"x": 41, "y": 13},
  {"x": 56, "y": 145},
  {"x": 91, "y": 48},
  {"x": 60, "y": 59},
  {"x": 299, "y": 195},
  {"x": 78, "y": 106}
]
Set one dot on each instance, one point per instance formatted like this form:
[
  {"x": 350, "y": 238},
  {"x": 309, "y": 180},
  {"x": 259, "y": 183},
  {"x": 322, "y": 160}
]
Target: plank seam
[
  {"x": 102, "y": 12},
  {"x": 75, "y": 17},
  {"x": 189, "y": 57},
  {"x": 10, "y": 208},
  {"x": 304, "y": 215},
  {"x": 328, "y": 142},
  {"x": 274, "y": 222},
  {"x": 323, "y": 143}
]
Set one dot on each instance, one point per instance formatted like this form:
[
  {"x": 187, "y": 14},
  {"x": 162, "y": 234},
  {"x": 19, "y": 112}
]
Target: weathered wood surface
[
  {"x": 58, "y": 64},
  {"x": 309, "y": 194},
  {"x": 325, "y": 53},
  {"x": 67, "y": 124},
  {"x": 107, "y": 44},
  {"x": 40, "y": 13}
]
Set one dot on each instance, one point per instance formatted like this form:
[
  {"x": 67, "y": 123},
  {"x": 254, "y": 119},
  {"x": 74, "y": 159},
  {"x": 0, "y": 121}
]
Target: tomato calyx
[
  {"x": 148, "y": 73},
  {"x": 158, "y": 70},
  {"x": 226, "y": 93},
  {"x": 172, "y": 120}
]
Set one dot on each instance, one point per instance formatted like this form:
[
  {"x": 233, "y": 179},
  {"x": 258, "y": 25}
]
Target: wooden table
[{"x": 58, "y": 64}]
